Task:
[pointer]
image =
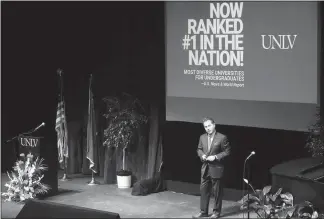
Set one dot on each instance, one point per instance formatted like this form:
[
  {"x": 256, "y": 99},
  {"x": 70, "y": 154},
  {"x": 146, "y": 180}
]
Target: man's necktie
[{"x": 209, "y": 142}]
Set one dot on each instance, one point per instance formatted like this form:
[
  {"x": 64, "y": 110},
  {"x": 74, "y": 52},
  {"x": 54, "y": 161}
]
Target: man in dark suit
[{"x": 213, "y": 147}]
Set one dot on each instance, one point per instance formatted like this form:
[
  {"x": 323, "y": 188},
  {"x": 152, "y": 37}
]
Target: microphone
[
  {"x": 31, "y": 131},
  {"x": 38, "y": 127},
  {"x": 247, "y": 181},
  {"x": 252, "y": 153}
]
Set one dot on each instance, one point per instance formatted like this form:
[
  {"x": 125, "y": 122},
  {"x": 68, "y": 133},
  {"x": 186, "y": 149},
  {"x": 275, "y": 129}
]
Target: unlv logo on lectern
[{"x": 31, "y": 142}]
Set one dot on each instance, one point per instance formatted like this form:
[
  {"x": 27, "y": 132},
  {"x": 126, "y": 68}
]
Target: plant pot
[
  {"x": 124, "y": 182},
  {"x": 124, "y": 179}
]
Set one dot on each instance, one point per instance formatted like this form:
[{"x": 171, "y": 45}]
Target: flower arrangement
[{"x": 25, "y": 181}]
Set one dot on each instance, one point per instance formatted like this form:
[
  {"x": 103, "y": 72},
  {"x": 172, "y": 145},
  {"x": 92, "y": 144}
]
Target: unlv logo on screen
[{"x": 278, "y": 42}]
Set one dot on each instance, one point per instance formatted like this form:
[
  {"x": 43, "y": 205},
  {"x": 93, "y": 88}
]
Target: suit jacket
[{"x": 219, "y": 147}]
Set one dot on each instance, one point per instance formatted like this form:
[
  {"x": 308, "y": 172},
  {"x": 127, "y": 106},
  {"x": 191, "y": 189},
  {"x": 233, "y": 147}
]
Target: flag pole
[
  {"x": 93, "y": 182},
  {"x": 65, "y": 177}
]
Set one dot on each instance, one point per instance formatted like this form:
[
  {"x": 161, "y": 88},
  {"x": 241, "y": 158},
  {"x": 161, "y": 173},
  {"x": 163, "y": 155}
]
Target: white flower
[
  {"x": 315, "y": 214},
  {"x": 27, "y": 163},
  {"x": 31, "y": 171}
]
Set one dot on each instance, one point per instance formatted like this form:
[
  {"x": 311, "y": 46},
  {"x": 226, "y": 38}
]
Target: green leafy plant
[
  {"x": 277, "y": 205},
  {"x": 25, "y": 182},
  {"x": 268, "y": 205},
  {"x": 315, "y": 140},
  {"x": 125, "y": 115}
]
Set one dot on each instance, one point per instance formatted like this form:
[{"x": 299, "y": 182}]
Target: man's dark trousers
[{"x": 210, "y": 185}]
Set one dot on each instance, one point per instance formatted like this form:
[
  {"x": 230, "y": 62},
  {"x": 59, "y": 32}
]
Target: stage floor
[{"x": 110, "y": 198}]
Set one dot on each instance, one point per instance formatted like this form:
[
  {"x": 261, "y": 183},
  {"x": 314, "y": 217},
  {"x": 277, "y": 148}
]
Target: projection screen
[{"x": 249, "y": 64}]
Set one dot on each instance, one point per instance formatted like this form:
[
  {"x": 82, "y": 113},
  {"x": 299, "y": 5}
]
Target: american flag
[{"x": 62, "y": 132}]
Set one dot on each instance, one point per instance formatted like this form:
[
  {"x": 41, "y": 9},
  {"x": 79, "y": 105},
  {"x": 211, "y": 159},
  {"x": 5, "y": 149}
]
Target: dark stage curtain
[
  {"x": 75, "y": 147},
  {"x": 77, "y": 137},
  {"x": 155, "y": 150}
]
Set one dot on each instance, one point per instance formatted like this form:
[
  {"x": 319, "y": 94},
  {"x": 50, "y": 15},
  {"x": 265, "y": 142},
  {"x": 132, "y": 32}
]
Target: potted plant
[
  {"x": 267, "y": 204},
  {"x": 125, "y": 115},
  {"x": 25, "y": 182}
]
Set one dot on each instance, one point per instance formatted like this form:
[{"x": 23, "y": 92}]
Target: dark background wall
[
  {"x": 271, "y": 146},
  {"x": 122, "y": 44}
]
